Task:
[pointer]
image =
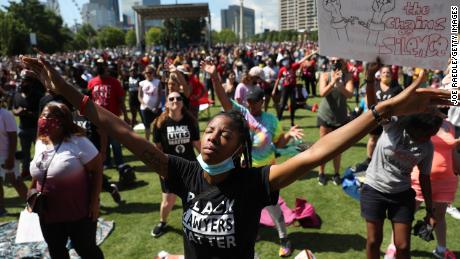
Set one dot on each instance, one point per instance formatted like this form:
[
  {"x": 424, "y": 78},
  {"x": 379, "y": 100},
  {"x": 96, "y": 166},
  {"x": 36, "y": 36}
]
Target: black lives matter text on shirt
[
  {"x": 176, "y": 137},
  {"x": 221, "y": 223},
  {"x": 385, "y": 95}
]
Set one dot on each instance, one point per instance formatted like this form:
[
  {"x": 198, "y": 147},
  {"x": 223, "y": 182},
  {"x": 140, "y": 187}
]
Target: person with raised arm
[{"x": 222, "y": 195}]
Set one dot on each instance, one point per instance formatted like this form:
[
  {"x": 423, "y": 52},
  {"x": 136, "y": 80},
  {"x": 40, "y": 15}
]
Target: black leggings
[
  {"x": 310, "y": 85},
  {"x": 287, "y": 92},
  {"x": 82, "y": 234},
  {"x": 209, "y": 87}
]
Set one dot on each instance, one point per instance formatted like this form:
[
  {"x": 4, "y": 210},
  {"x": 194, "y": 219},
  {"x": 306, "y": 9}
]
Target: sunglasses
[{"x": 178, "y": 98}]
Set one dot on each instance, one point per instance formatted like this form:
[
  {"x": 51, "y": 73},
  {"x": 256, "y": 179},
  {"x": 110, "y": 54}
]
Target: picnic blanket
[{"x": 10, "y": 250}]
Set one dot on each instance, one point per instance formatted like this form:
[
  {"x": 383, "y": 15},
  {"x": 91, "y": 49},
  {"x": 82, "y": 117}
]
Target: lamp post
[{"x": 241, "y": 21}]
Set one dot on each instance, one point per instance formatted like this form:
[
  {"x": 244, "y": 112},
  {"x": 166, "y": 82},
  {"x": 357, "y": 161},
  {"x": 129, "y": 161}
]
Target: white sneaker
[{"x": 454, "y": 212}]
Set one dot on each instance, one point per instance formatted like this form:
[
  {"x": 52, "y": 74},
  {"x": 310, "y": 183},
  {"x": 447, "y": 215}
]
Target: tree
[
  {"x": 228, "y": 36},
  {"x": 130, "y": 38},
  {"x": 13, "y": 35},
  {"x": 215, "y": 37},
  {"x": 46, "y": 24},
  {"x": 153, "y": 36},
  {"x": 110, "y": 37}
]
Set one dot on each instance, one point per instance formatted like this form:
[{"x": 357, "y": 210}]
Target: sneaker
[
  {"x": 390, "y": 253},
  {"x": 314, "y": 108},
  {"x": 454, "y": 212},
  {"x": 285, "y": 248},
  {"x": 446, "y": 255},
  {"x": 322, "y": 180},
  {"x": 3, "y": 212},
  {"x": 159, "y": 229},
  {"x": 115, "y": 194},
  {"x": 336, "y": 179}
]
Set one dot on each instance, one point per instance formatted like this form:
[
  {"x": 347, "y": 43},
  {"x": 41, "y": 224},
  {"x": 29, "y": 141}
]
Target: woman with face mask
[
  {"x": 175, "y": 132},
  {"x": 67, "y": 169},
  {"x": 222, "y": 196}
]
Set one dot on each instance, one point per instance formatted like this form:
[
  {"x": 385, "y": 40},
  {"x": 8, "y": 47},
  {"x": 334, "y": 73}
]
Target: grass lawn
[{"x": 342, "y": 235}]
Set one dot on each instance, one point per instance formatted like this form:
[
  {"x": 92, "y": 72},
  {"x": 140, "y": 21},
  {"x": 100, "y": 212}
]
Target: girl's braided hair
[{"x": 240, "y": 124}]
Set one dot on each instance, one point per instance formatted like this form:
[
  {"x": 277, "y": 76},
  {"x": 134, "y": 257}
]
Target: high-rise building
[
  {"x": 53, "y": 6},
  {"x": 298, "y": 15},
  {"x": 128, "y": 12},
  {"x": 231, "y": 20},
  {"x": 98, "y": 15},
  {"x": 111, "y": 5}
]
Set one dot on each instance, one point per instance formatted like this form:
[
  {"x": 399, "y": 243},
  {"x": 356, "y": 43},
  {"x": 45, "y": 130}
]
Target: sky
[{"x": 267, "y": 8}]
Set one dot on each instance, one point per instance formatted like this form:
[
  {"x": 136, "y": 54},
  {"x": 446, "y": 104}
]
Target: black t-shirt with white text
[
  {"x": 176, "y": 137},
  {"x": 385, "y": 95},
  {"x": 224, "y": 220}
]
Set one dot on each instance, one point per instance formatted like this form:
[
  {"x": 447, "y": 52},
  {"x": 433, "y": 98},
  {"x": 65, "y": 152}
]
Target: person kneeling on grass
[{"x": 222, "y": 196}]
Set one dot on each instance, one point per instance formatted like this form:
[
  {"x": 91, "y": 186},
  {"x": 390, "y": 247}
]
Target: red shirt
[
  {"x": 107, "y": 93},
  {"x": 287, "y": 76},
  {"x": 394, "y": 73},
  {"x": 358, "y": 69},
  {"x": 197, "y": 90}
]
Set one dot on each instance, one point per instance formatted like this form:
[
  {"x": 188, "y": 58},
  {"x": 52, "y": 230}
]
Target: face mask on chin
[{"x": 219, "y": 168}]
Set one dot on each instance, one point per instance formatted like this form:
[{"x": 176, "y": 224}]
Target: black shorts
[
  {"x": 397, "y": 207},
  {"x": 321, "y": 122},
  {"x": 377, "y": 131},
  {"x": 148, "y": 116},
  {"x": 164, "y": 187},
  {"x": 134, "y": 100}
]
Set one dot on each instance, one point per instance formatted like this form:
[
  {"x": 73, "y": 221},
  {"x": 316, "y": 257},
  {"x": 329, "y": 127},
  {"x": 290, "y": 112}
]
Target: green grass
[{"x": 342, "y": 235}]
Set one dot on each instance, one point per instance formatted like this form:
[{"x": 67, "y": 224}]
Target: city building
[
  {"x": 231, "y": 20},
  {"x": 98, "y": 15},
  {"x": 299, "y": 15},
  {"x": 127, "y": 12}
]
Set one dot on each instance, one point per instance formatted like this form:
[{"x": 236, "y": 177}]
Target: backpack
[{"x": 127, "y": 175}]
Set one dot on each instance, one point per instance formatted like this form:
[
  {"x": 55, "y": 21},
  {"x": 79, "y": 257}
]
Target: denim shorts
[{"x": 397, "y": 207}]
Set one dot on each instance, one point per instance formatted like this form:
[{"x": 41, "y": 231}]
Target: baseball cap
[
  {"x": 255, "y": 94},
  {"x": 257, "y": 72}
]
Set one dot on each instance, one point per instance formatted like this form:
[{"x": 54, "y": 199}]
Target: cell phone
[{"x": 209, "y": 59}]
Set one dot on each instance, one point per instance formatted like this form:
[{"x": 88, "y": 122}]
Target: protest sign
[{"x": 401, "y": 32}]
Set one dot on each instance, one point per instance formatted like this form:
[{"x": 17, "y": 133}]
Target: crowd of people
[{"x": 79, "y": 110}]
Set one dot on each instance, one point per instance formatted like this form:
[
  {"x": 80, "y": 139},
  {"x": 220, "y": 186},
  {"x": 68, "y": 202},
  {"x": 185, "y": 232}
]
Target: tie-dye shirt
[{"x": 265, "y": 130}]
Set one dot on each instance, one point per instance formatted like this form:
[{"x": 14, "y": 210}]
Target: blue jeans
[
  {"x": 117, "y": 154},
  {"x": 27, "y": 137}
]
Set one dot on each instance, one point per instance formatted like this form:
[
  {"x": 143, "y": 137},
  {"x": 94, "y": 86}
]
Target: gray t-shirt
[{"x": 394, "y": 158}]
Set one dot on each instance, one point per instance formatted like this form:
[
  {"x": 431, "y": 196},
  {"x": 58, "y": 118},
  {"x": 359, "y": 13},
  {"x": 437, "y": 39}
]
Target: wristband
[
  {"x": 83, "y": 104},
  {"x": 380, "y": 120}
]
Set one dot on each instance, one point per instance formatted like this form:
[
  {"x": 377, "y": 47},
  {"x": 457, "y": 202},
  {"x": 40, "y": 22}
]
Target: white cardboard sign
[{"x": 401, "y": 32}]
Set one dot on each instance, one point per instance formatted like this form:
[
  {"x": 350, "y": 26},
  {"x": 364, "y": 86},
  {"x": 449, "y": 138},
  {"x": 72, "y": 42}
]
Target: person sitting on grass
[{"x": 222, "y": 195}]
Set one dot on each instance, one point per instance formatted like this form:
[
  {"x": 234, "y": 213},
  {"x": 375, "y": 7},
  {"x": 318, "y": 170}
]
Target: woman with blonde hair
[{"x": 175, "y": 132}]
